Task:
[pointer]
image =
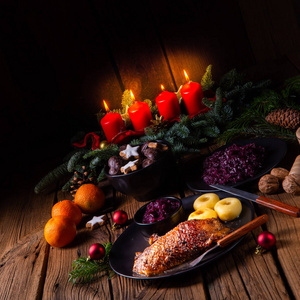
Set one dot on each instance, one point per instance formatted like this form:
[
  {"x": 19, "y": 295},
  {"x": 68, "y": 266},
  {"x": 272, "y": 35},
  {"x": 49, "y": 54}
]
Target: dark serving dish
[
  {"x": 121, "y": 257},
  {"x": 275, "y": 151},
  {"x": 146, "y": 183},
  {"x": 160, "y": 227}
]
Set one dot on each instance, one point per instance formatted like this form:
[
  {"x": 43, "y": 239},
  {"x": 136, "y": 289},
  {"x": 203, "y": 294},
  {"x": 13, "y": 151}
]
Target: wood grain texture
[
  {"x": 135, "y": 47},
  {"x": 23, "y": 267},
  {"x": 197, "y": 34},
  {"x": 241, "y": 272},
  {"x": 287, "y": 242},
  {"x": 273, "y": 30}
]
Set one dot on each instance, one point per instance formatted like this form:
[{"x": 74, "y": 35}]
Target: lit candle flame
[
  {"x": 186, "y": 76},
  {"x": 132, "y": 96},
  {"x": 162, "y": 87},
  {"x": 106, "y": 106}
]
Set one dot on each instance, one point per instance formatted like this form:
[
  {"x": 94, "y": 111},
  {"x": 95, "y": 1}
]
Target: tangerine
[
  {"x": 90, "y": 198},
  {"x": 68, "y": 209},
  {"x": 59, "y": 231}
]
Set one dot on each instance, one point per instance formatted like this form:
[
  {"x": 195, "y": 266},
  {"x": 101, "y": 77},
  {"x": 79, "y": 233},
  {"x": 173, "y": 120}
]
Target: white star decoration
[
  {"x": 130, "y": 164},
  {"x": 97, "y": 220},
  {"x": 131, "y": 151}
]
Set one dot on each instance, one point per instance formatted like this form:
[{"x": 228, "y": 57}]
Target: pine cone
[
  {"x": 158, "y": 124},
  {"x": 81, "y": 178},
  {"x": 288, "y": 118}
]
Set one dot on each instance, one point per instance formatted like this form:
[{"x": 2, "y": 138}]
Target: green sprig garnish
[{"x": 85, "y": 270}]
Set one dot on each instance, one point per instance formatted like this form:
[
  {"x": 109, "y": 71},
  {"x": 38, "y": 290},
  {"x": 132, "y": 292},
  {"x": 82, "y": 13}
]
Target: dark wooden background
[{"x": 60, "y": 59}]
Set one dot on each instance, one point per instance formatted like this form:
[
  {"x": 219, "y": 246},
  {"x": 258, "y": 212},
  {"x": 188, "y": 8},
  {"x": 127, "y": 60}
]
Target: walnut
[
  {"x": 268, "y": 184},
  {"x": 298, "y": 134},
  {"x": 280, "y": 173},
  {"x": 291, "y": 184}
]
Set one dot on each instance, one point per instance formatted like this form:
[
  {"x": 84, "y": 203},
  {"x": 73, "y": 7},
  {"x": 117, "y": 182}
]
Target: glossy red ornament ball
[
  {"x": 266, "y": 240},
  {"x": 120, "y": 217},
  {"x": 97, "y": 251}
]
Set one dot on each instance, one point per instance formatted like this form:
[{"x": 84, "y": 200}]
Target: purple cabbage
[
  {"x": 234, "y": 164},
  {"x": 159, "y": 210}
]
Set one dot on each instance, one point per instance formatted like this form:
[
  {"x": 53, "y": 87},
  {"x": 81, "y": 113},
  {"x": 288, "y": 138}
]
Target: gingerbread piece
[
  {"x": 147, "y": 162},
  {"x": 152, "y": 154},
  {"x": 159, "y": 146},
  {"x": 115, "y": 163},
  {"x": 131, "y": 166},
  {"x": 130, "y": 152},
  {"x": 144, "y": 146},
  {"x": 96, "y": 222}
]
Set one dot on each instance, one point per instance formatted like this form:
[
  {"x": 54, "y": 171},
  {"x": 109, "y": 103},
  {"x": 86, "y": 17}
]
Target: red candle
[
  {"x": 168, "y": 105},
  {"x": 112, "y": 124},
  {"x": 140, "y": 115},
  {"x": 192, "y": 95}
]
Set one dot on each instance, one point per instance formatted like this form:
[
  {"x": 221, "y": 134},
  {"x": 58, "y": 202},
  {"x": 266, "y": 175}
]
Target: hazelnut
[
  {"x": 280, "y": 173},
  {"x": 268, "y": 184}
]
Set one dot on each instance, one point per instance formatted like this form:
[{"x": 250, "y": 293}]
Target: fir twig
[
  {"x": 85, "y": 270},
  {"x": 51, "y": 178},
  {"x": 75, "y": 159}
]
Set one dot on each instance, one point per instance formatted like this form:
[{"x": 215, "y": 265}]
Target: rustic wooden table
[{"x": 31, "y": 269}]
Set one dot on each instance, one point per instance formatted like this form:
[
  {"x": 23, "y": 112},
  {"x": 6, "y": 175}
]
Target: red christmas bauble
[
  {"x": 266, "y": 240},
  {"x": 120, "y": 217},
  {"x": 97, "y": 251}
]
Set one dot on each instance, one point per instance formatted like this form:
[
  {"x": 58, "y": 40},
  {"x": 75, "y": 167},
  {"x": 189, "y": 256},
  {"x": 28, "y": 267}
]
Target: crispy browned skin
[{"x": 186, "y": 241}]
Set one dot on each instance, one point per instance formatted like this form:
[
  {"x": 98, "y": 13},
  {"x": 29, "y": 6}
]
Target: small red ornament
[
  {"x": 97, "y": 251},
  {"x": 266, "y": 240},
  {"x": 120, "y": 217}
]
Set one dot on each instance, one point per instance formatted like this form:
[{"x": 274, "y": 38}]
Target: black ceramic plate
[
  {"x": 123, "y": 251},
  {"x": 275, "y": 151}
]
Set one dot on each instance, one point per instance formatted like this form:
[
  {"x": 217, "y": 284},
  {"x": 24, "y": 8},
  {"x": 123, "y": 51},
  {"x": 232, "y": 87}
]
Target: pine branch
[
  {"x": 51, "y": 178},
  {"x": 101, "y": 175},
  {"x": 85, "y": 270},
  {"x": 75, "y": 159},
  {"x": 218, "y": 103},
  {"x": 231, "y": 79},
  {"x": 103, "y": 154}
]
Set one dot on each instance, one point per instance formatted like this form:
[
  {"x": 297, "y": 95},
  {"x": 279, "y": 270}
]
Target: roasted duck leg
[{"x": 184, "y": 242}]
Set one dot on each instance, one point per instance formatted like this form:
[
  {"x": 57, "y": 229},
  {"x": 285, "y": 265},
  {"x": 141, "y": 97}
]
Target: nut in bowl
[
  {"x": 159, "y": 216},
  {"x": 141, "y": 172}
]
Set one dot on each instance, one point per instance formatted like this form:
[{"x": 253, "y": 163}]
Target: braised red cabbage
[
  {"x": 159, "y": 210},
  {"x": 234, "y": 164}
]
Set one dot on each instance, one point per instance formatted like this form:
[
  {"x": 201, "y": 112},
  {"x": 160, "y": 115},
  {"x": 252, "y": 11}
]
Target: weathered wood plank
[
  {"x": 272, "y": 28},
  {"x": 18, "y": 216},
  {"x": 77, "y": 52},
  {"x": 23, "y": 267},
  {"x": 135, "y": 45},
  {"x": 241, "y": 272},
  {"x": 197, "y": 34},
  {"x": 59, "y": 265},
  {"x": 285, "y": 229}
]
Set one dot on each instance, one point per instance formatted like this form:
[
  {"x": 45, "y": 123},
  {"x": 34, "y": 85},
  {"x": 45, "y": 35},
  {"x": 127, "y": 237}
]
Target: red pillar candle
[
  {"x": 192, "y": 95},
  {"x": 140, "y": 115},
  {"x": 112, "y": 124},
  {"x": 168, "y": 105}
]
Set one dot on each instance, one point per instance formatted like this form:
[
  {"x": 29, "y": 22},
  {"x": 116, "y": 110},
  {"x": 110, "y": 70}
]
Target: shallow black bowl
[
  {"x": 160, "y": 227},
  {"x": 146, "y": 183}
]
